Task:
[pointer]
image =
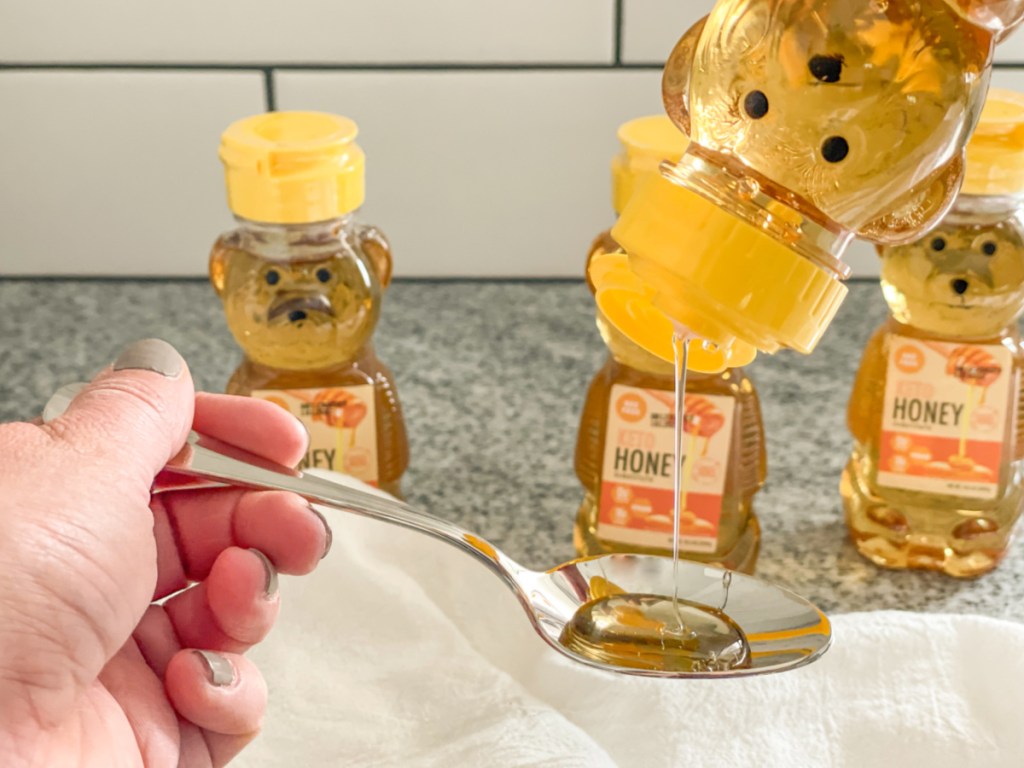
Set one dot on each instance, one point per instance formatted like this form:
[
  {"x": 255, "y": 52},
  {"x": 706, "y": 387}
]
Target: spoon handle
[{"x": 205, "y": 458}]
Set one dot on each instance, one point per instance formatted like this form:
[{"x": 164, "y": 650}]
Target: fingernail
[
  {"x": 270, "y": 573},
  {"x": 327, "y": 530},
  {"x": 219, "y": 671},
  {"x": 61, "y": 399},
  {"x": 150, "y": 355}
]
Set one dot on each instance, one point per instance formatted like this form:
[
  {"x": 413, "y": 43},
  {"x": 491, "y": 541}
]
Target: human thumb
[{"x": 135, "y": 415}]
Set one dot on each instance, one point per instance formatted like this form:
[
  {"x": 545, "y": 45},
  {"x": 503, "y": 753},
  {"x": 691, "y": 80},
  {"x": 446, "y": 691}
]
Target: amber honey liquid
[
  {"x": 630, "y": 368},
  {"x": 936, "y": 476},
  {"x": 905, "y": 528},
  {"x": 302, "y": 302}
]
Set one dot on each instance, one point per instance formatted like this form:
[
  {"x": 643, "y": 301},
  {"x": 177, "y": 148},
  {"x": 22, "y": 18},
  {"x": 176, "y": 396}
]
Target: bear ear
[
  {"x": 999, "y": 17},
  {"x": 377, "y": 248},
  {"x": 924, "y": 205},
  {"x": 675, "y": 83},
  {"x": 219, "y": 268}
]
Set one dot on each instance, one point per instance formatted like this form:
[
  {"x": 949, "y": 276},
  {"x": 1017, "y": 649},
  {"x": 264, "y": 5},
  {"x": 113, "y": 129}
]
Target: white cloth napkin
[{"x": 401, "y": 651}]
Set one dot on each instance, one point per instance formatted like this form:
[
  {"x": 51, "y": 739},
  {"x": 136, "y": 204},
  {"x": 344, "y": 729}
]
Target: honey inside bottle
[
  {"x": 301, "y": 281},
  {"x": 934, "y": 479},
  {"x": 624, "y": 453}
]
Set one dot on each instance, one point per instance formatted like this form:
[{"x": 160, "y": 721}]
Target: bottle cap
[
  {"x": 717, "y": 293},
  {"x": 646, "y": 142},
  {"x": 995, "y": 155},
  {"x": 293, "y": 167}
]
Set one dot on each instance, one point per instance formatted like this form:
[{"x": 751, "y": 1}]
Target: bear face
[
  {"x": 962, "y": 279},
  {"x": 859, "y": 108},
  {"x": 305, "y": 313}
]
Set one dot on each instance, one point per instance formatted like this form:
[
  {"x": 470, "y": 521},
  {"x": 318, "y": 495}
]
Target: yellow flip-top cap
[
  {"x": 646, "y": 142},
  {"x": 629, "y": 306},
  {"x": 293, "y": 167},
  {"x": 995, "y": 154},
  {"x": 719, "y": 277}
]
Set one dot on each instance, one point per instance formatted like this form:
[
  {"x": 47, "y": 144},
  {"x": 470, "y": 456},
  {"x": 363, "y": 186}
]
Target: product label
[
  {"x": 636, "y": 505},
  {"x": 947, "y": 408},
  {"x": 342, "y": 426}
]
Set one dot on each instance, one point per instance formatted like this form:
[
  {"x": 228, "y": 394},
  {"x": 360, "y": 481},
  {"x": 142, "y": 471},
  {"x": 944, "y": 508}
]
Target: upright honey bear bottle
[
  {"x": 810, "y": 122},
  {"x": 301, "y": 282},
  {"x": 935, "y": 480},
  {"x": 625, "y": 445}
]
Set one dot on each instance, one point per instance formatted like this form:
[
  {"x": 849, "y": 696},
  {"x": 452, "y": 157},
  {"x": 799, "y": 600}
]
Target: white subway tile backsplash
[
  {"x": 1012, "y": 49},
  {"x": 115, "y": 173},
  {"x": 484, "y": 173},
  {"x": 651, "y": 28},
  {"x": 1012, "y": 79},
  {"x": 308, "y": 31},
  {"x": 863, "y": 259}
]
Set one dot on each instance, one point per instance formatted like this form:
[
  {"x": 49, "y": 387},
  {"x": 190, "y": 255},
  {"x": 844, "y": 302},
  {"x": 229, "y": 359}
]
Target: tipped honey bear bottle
[
  {"x": 810, "y": 122},
  {"x": 935, "y": 479},
  {"x": 624, "y": 453},
  {"x": 301, "y": 281}
]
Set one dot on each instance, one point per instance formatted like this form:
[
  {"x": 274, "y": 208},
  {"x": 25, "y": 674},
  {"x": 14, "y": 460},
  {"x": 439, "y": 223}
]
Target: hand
[{"x": 92, "y": 671}]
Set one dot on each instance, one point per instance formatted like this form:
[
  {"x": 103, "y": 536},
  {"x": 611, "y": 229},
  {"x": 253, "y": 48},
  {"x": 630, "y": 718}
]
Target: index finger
[{"x": 253, "y": 425}]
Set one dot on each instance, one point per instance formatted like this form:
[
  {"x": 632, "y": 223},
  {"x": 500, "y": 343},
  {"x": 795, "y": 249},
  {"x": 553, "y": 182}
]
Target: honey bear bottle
[
  {"x": 625, "y": 445},
  {"x": 935, "y": 479},
  {"x": 810, "y": 122},
  {"x": 301, "y": 281}
]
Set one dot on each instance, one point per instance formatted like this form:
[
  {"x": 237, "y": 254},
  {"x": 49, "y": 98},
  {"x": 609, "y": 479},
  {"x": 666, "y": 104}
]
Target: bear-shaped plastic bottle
[
  {"x": 301, "y": 281},
  {"x": 935, "y": 480},
  {"x": 625, "y": 445},
  {"x": 810, "y": 122}
]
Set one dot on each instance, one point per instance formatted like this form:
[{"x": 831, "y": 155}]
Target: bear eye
[
  {"x": 827, "y": 69},
  {"x": 989, "y": 248},
  {"x": 939, "y": 244},
  {"x": 835, "y": 149},
  {"x": 272, "y": 277},
  {"x": 756, "y": 104},
  {"x": 323, "y": 275}
]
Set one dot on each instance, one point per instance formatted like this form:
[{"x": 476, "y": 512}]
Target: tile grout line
[
  {"x": 322, "y": 67},
  {"x": 618, "y": 32},
  {"x": 269, "y": 96},
  {"x": 613, "y": 66}
]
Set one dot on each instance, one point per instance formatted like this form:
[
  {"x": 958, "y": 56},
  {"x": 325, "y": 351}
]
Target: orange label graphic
[
  {"x": 342, "y": 426},
  {"x": 636, "y": 504},
  {"x": 945, "y": 419}
]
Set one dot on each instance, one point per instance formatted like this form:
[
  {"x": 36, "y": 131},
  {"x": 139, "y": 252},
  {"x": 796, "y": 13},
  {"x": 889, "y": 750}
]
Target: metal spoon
[{"x": 783, "y": 630}]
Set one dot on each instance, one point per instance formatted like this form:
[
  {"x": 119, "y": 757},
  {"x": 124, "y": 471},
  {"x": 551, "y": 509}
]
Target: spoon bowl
[{"x": 781, "y": 629}]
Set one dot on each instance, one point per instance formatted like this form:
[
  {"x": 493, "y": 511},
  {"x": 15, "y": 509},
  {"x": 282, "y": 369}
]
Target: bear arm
[
  {"x": 864, "y": 412},
  {"x": 378, "y": 250},
  {"x": 675, "y": 84}
]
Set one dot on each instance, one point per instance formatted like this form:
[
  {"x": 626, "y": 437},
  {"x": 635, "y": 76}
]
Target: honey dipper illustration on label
[
  {"x": 937, "y": 410},
  {"x": 810, "y": 122},
  {"x": 343, "y": 411},
  {"x": 978, "y": 369},
  {"x": 703, "y": 419}
]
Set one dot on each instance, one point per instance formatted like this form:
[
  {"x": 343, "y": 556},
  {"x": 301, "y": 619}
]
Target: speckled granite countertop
[{"x": 492, "y": 377}]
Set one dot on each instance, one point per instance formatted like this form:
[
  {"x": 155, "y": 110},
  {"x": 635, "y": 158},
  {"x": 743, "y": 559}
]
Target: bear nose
[
  {"x": 959, "y": 286},
  {"x": 297, "y": 314}
]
